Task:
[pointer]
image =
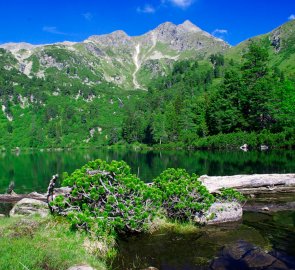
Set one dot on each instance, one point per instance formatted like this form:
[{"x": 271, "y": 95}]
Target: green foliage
[
  {"x": 195, "y": 106},
  {"x": 30, "y": 243},
  {"x": 248, "y": 91},
  {"x": 183, "y": 195},
  {"x": 107, "y": 199},
  {"x": 229, "y": 194},
  {"x": 254, "y": 140}
]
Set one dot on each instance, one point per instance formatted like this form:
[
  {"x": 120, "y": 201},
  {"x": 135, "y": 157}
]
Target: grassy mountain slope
[
  {"x": 128, "y": 62},
  {"x": 80, "y": 94},
  {"x": 281, "y": 47}
]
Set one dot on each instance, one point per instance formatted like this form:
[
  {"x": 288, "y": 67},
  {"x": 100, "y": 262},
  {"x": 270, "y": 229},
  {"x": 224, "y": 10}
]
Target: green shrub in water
[
  {"x": 107, "y": 199},
  {"x": 183, "y": 195},
  {"x": 229, "y": 194}
]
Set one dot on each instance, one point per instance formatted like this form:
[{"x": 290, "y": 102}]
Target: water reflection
[{"x": 31, "y": 171}]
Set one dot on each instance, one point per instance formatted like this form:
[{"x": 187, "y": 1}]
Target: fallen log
[
  {"x": 251, "y": 184},
  {"x": 13, "y": 198}
]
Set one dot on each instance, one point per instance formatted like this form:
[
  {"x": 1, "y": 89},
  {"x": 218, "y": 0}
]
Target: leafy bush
[
  {"x": 183, "y": 195},
  {"x": 229, "y": 194},
  {"x": 107, "y": 199}
]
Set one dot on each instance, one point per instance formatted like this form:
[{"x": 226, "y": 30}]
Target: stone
[
  {"x": 27, "y": 207},
  {"x": 150, "y": 268},
  {"x": 221, "y": 212},
  {"x": 258, "y": 259},
  {"x": 81, "y": 267},
  {"x": 220, "y": 264},
  {"x": 265, "y": 208},
  {"x": 285, "y": 258},
  {"x": 2, "y": 216},
  {"x": 244, "y": 147},
  {"x": 238, "y": 250},
  {"x": 263, "y": 147},
  {"x": 37, "y": 195},
  {"x": 244, "y": 255},
  {"x": 278, "y": 265},
  {"x": 62, "y": 191}
]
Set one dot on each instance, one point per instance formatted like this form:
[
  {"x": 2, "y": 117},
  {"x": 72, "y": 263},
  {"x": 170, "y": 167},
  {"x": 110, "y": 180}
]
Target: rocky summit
[{"x": 129, "y": 62}]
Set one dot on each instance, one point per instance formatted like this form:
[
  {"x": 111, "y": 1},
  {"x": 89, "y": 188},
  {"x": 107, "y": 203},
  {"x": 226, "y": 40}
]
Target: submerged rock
[
  {"x": 27, "y": 207},
  {"x": 243, "y": 255},
  {"x": 221, "y": 212},
  {"x": 81, "y": 267}
]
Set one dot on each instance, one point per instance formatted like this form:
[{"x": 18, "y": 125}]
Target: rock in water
[
  {"x": 27, "y": 207},
  {"x": 244, "y": 255},
  {"x": 221, "y": 213},
  {"x": 81, "y": 267}
]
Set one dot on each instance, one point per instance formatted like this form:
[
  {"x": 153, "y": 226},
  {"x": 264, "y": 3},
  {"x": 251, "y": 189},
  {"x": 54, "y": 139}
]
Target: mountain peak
[
  {"x": 18, "y": 46},
  {"x": 119, "y": 33},
  {"x": 189, "y": 26}
]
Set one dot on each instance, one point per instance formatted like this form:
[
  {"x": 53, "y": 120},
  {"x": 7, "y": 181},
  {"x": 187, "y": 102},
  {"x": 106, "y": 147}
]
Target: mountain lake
[{"x": 262, "y": 240}]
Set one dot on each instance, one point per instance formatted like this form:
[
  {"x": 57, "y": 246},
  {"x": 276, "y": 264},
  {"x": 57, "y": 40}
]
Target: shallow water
[{"x": 267, "y": 234}]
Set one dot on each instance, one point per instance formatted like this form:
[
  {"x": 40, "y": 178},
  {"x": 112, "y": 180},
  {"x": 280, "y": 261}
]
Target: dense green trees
[
  {"x": 196, "y": 100},
  {"x": 189, "y": 104}
]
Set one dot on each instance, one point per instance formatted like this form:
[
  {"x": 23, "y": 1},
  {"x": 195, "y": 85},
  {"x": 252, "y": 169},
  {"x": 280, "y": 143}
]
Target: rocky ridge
[{"x": 116, "y": 57}]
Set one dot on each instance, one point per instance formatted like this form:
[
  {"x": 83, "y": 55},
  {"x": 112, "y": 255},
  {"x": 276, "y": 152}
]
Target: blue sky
[{"x": 47, "y": 21}]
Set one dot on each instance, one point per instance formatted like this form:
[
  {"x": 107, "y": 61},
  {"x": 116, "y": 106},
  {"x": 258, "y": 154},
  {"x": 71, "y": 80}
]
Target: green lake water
[
  {"x": 259, "y": 241},
  {"x": 32, "y": 171},
  {"x": 258, "y": 237}
]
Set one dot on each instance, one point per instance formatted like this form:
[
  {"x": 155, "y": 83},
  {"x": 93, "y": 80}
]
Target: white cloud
[
  {"x": 291, "y": 17},
  {"x": 219, "y": 32},
  {"x": 53, "y": 30},
  {"x": 87, "y": 16},
  {"x": 146, "y": 9},
  {"x": 182, "y": 3}
]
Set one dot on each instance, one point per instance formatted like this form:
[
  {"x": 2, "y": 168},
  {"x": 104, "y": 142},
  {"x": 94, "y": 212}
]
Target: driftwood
[
  {"x": 13, "y": 198},
  {"x": 50, "y": 191},
  {"x": 250, "y": 184}
]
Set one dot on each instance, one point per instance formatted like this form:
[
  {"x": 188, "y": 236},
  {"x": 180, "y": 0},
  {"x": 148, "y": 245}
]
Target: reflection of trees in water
[
  {"x": 215, "y": 163},
  {"x": 32, "y": 171},
  {"x": 278, "y": 228}
]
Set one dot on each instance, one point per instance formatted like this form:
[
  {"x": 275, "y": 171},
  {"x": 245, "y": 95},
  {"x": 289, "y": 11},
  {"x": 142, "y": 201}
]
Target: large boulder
[
  {"x": 220, "y": 212},
  {"x": 27, "y": 207}
]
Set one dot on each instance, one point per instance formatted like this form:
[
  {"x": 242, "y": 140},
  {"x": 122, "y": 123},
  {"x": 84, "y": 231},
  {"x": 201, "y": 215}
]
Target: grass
[
  {"x": 37, "y": 244},
  {"x": 163, "y": 224}
]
